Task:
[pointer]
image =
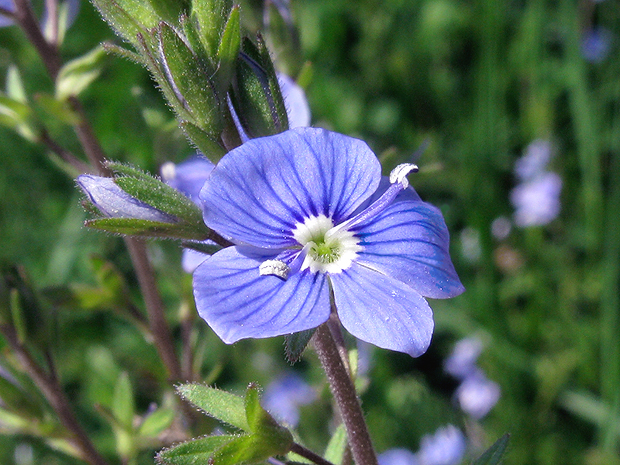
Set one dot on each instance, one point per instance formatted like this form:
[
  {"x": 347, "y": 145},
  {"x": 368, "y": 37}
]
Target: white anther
[
  {"x": 399, "y": 174},
  {"x": 275, "y": 268},
  {"x": 168, "y": 171}
]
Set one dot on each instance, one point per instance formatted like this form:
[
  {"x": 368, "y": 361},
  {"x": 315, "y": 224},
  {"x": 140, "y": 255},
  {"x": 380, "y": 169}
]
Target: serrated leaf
[
  {"x": 78, "y": 74},
  {"x": 218, "y": 404},
  {"x": 337, "y": 446},
  {"x": 156, "y": 423},
  {"x": 197, "y": 451},
  {"x": 123, "y": 406},
  {"x": 295, "y": 344},
  {"x": 494, "y": 454}
]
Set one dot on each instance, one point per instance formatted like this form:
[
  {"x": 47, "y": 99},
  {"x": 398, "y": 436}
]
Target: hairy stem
[
  {"x": 48, "y": 384},
  {"x": 343, "y": 391},
  {"x": 308, "y": 454}
]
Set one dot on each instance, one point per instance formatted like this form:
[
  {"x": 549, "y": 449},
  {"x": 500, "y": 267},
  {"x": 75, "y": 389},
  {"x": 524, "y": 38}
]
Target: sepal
[
  {"x": 256, "y": 95},
  {"x": 79, "y": 73}
]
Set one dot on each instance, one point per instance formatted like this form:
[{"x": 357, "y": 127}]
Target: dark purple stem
[{"x": 343, "y": 390}]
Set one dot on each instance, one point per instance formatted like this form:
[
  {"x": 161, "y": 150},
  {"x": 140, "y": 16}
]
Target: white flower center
[{"x": 330, "y": 249}]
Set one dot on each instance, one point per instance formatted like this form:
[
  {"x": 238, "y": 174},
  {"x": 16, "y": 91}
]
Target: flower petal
[
  {"x": 383, "y": 311},
  {"x": 409, "y": 241},
  {"x": 238, "y": 303},
  {"x": 259, "y": 191}
]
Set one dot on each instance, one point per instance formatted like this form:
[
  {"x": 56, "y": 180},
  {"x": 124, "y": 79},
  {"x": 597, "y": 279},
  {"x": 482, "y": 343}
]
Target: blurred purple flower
[
  {"x": 477, "y": 395},
  {"x": 9, "y": 6},
  {"x": 596, "y": 44},
  {"x": 297, "y": 108},
  {"x": 537, "y": 201},
  {"x": 462, "y": 361},
  {"x": 188, "y": 178},
  {"x": 398, "y": 457},
  {"x": 284, "y": 396},
  {"x": 311, "y": 216},
  {"x": 537, "y": 156},
  {"x": 114, "y": 202},
  {"x": 446, "y": 447}
]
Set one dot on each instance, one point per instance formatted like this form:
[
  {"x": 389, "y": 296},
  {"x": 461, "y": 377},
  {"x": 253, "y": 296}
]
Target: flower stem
[
  {"x": 154, "y": 307},
  {"x": 308, "y": 454},
  {"x": 343, "y": 390}
]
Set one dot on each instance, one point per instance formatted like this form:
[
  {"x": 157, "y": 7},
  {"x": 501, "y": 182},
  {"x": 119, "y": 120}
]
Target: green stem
[{"x": 343, "y": 390}]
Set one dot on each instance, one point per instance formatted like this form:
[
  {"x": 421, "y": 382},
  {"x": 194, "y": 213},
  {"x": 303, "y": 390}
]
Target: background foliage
[{"x": 479, "y": 80}]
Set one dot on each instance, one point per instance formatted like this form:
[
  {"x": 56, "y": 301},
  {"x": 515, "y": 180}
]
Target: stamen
[
  {"x": 399, "y": 174},
  {"x": 275, "y": 268}
]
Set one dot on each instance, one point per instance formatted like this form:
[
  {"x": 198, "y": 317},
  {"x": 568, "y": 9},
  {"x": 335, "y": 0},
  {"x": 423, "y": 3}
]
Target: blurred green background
[{"x": 477, "y": 80}]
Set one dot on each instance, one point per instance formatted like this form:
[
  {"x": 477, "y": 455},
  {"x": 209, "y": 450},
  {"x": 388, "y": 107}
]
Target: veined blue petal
[
  {"x": 409, "y": 241},
  {"x": 114, "y": 202},
  {"x": 238, "y": 303},
  {"x": 383, "y": 311},
  {"x": 261, "y": 190}
]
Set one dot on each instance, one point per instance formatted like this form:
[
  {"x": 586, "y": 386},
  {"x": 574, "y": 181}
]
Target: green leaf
[
  {"x": 56, "y": 110},
  {"x": 274, "y": 439},
  {"x": 256, "y": 94},
  {"x": 228, "y": 49},
  {"x": 295, "y": 344},
  {"x": 128, "y": 17},
  {"x": 145, "y": 228},
  {"x": 18, "y": 116},
  {"x": 161, "y": 196},
  {"x": 221, "y": 405},
  {"x": 156, "y": 423},
  {"x": 337, "y": 446},
  {"x": 190, "y": 78},
  {"x": 203, "y": 141},
  {"x": 78, "y": 74},
  {"x": 211, "y": 16},
  {"x": 244, "y": 450},
  {"x": 123, "y": 406},
  {"x": 14, "y": 85},
  {"x": 494, "y": 454},
  {"x": 197, "y": 451}
]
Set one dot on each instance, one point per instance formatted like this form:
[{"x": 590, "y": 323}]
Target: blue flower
[
  {"x": 477, "y": 395},
  {"x": 398, "y": 456},
  {"x": 312, "y": 220},
  {"x": 537, "y": 202},
  {"x": 446, "y": 447},
  {"x": 114, "y": 202},
  {"x": 284, "y": 396}
]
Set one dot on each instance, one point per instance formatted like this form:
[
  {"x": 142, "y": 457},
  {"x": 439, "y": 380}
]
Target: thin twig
[
  {"x": 344, "y": 393},
  {"x": 28, "y": 22},
  {"x": 65, "y": 155},
  {"x": 308, "y": 454},
  {"x": 54, "y": 394},
  {"x": 154, "y": 307}
]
